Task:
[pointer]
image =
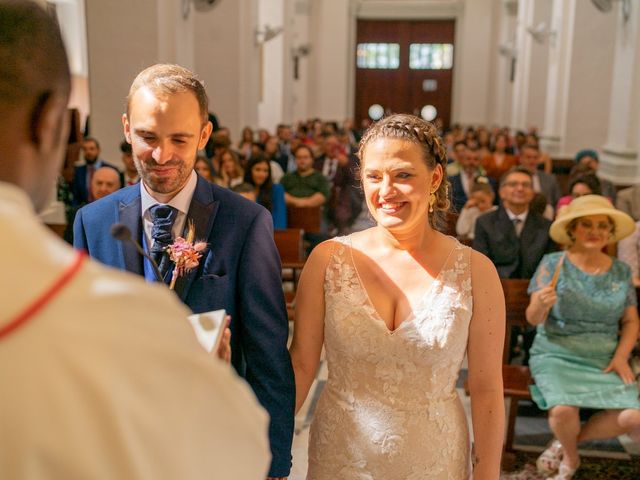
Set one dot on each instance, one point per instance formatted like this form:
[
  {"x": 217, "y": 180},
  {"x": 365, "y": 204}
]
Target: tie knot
[
  {"x": 163, "y": 217},
  {"x": 518, "y": 225},
  {"x": 162, "y": 213}
]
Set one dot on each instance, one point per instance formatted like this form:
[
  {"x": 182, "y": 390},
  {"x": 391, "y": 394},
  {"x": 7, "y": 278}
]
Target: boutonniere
[{"x": 185, "y": 254}]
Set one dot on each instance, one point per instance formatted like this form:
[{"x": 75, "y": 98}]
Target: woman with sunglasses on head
[{"x": 584, "y": 304}]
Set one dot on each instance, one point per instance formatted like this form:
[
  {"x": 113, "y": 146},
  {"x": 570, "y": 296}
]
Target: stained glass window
[
  {"x": 378, "y": 55},
  {"x": 430, "y": 56}
]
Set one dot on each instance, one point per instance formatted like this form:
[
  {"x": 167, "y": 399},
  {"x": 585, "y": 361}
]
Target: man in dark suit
[
  {"x": 166, "y": 124},
  {"x": 514, "y": 238},
  {"x": 461, "y": 183},
  {"x": 84, "y": 173}
]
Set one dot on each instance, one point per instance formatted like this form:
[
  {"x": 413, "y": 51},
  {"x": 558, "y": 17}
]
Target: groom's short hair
[
  {"x": 168, "y": 79},
  {"x": 33, "y": 61}
]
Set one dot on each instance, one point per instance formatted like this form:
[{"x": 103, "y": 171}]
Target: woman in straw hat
[{"x": 584, "y": 304}]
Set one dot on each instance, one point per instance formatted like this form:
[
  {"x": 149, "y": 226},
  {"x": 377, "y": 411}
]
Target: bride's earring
[{"x": 432, "y": 201}]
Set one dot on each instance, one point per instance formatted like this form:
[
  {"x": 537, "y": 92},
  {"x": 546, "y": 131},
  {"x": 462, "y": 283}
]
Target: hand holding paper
[{"x": 212, "y": 332}]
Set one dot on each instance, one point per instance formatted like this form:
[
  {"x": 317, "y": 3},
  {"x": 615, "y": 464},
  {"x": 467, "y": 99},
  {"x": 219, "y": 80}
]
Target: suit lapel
[
  {"x": 202, "y": 212},
  {"x": 129, "y": 214}
]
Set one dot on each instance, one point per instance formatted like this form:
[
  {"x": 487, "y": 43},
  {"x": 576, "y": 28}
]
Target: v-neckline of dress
[{"x": 410, "y": 319}]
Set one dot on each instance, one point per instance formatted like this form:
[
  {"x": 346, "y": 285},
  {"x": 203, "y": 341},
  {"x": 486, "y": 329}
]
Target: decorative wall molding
[{"x": 407, "y": 9}]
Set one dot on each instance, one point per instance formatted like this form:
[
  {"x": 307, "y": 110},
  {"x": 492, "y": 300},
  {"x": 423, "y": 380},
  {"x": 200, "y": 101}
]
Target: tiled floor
[{"x": 532, "y": 431}]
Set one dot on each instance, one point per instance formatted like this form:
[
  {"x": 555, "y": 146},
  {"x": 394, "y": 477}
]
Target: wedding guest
[
  {"x": 580, "y": 184},
  {"x": 305, "y": 187},
  {"x": 463, "y": 181},
  {"x": 545, "y": 183},
  {"x": 484, "y": 142},
  {"x": 84, "y": 173},
  {"x": 628, "y": 252},
  {"x": 246, "y": 141},
  {"x": 203, "y": 168},
  {"x": 166, "y": 123},
  {"x": 130, "y": 174},
  {"x": 499, "y": 162},
  {"x": 107, "y": 379},
  {"x": 271, "y": 151},
  {"x": 545, "y": 162},
  {"x": 230, "y": 173},
  {"x": 590, "y": 158},
  {"x": 396, "y": 307},
  {"x": 584, "y": 305},
  {"x": 628, "y": 200},
  {"x": 480, "y": 201},
  {"x": 105, "y": 181},
  {"x": 456, "y": 158},
  {"x": 513, "y": 237},
  {"x": 245, "y": 190},
  {"x": 268, "y": 194}
]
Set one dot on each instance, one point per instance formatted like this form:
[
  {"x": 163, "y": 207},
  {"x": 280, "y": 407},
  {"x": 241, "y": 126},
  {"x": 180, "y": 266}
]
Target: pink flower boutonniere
[{"x": 185, "y": 254}]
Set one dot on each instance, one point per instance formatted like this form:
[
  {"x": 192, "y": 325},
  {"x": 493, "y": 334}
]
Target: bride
[{"x": 396, "y": 307}]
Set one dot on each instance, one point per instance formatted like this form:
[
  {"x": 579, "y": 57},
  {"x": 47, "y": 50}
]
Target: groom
[{"x": 166, "y": 123}]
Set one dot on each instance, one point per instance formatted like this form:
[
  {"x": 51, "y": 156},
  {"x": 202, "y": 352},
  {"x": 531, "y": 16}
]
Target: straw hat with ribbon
[{"x": 590, "y": 205}]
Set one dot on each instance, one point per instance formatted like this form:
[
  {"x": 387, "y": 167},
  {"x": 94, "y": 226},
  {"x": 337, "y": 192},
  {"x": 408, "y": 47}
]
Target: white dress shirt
[{"x": 522, "y": 218}]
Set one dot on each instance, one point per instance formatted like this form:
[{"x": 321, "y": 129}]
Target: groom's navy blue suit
[{"x": 240, "y": 272}]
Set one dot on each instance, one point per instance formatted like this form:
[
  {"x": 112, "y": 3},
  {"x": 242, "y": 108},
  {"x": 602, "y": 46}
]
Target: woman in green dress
[{"x": 584, "y": 304}]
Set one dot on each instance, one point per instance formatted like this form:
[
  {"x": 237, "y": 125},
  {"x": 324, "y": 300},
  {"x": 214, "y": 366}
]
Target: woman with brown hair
[
  {"x": 230, "y": 172},
  {"x": 499, "y": 162},
  {"x": 396, "y": 308}
]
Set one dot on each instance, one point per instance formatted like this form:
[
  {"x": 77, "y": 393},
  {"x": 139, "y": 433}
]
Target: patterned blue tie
[{"x": 162, "y": 217}]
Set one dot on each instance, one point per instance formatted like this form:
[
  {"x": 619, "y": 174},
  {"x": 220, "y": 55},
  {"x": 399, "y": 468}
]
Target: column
[
  {"x": 122, "y": 39},
  {"x": 619, "y": 161},
  {"x": 558, "y": 77},
  {"x": 579, "y": 80}
]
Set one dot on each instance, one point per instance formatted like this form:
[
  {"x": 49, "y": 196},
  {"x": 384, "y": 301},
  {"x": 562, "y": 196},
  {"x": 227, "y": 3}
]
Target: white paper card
[{"x": 209, "y": 327}]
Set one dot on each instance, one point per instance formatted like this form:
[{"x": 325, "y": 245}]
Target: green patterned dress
[{"x": 580, "y": 336}]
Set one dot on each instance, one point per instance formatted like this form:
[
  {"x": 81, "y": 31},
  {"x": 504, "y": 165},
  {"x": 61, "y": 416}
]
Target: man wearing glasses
[{"x": 514, "y": 238}]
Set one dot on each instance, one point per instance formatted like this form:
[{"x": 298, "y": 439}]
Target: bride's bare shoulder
[{"x": 484, "y": 276}]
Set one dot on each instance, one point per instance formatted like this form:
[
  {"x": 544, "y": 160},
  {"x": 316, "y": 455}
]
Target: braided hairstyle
[{"x": 415, "y": 130}]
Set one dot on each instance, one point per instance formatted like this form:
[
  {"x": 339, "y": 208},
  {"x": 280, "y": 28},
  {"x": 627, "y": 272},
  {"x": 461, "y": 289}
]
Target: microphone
[{"x": 121, "y": 232}]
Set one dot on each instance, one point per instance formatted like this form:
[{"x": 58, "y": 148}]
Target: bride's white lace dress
[{"x": 390, "y": 409}]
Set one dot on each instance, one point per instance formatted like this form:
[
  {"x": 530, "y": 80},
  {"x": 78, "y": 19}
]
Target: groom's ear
[
  {"x": 205, "y": 133},
  {"x": 127, "y": 127}
]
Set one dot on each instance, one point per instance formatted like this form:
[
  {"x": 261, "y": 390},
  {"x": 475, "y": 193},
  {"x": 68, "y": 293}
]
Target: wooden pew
[
  {"x": 307, "y": 218},
  {"x": 289, "y": 243},
  {"x": 516, "y": 378}
]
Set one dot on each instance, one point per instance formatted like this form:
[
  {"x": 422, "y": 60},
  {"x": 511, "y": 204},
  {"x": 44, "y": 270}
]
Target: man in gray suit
[{"x": 544, "y": 183}]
